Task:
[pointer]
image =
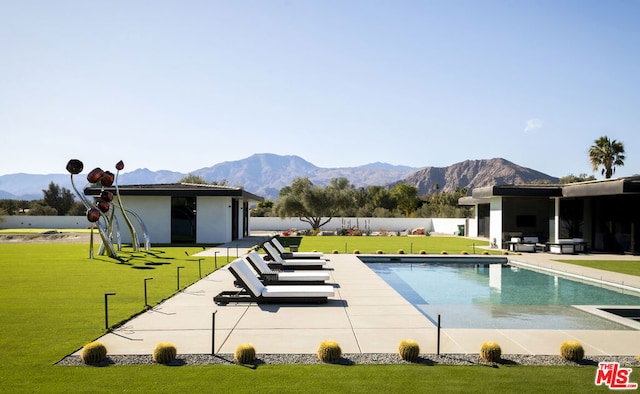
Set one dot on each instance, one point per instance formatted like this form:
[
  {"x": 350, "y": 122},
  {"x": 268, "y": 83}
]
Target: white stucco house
[{"x": 182, "y": 212}]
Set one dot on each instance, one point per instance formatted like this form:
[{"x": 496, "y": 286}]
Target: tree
[
  {"x": 606, "y": 153},
  {"x": 60, "y": 199},
  {"x": 311, "y": 203},
  {"x": 39, "y": 208},
  {"x": 8, "y": 207},
  {"x": 576, "y": 178},
  {"x": 407, "y": 198},
  {"x": 195, "y": 179},
  {"x": 263, "y": 208}
]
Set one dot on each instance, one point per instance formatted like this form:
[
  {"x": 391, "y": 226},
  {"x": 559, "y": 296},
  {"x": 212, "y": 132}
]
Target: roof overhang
[
  {"x": 606, "y": 187},
  {"x": 518, "y": 191},
  {"x": 177, "y": 190}
]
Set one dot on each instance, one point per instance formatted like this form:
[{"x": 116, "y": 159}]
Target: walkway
[{"x": 365, "y": 316}]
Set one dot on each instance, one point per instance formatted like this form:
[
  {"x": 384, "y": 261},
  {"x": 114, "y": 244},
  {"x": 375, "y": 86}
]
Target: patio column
[{"x": 556, "y": 219}]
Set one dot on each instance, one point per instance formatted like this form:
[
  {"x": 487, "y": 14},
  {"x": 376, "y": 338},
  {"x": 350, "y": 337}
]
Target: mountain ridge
[{"x": 265, "y": 174}]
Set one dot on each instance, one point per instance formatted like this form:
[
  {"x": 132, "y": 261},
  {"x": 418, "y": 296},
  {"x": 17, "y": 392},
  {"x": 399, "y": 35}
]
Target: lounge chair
[
  {"x": 254, "y": 291},
  {"x": 293, "y": 255},
  {"x": 270, "y": 277},
  {"x": 277, "y": 262}
]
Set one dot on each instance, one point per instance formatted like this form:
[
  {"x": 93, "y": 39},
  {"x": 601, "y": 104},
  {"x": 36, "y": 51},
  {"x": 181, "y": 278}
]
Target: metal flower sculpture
[
  {"x": 99, "y": 210},
  {"x": 94, "y": 214}
]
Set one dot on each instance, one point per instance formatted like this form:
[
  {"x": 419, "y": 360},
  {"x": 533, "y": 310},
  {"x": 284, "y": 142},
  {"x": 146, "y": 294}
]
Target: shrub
[
  {"x": 93, "y": 353},
  {"x": 400, "y": 251},
  {"x": 485, "y": 252},
  {"x": 244, "y": 354},
  {"x": 504, "y": 252},
  {"x": 379, "y": 251},
  {"x": 464, "y": 252},
  {"x": 335, "y": 251},
  {"x": 356, "y": 251},
  {"x": 329, "y": 351},
  {"x": 444, "y": 252},
  {"x": 408, "y": 349},
  {"x": 572, "y": 351},
  {"x": 423, "y": 251},
  {"x": 490, "y": 352},
  {"x": 164, "y": 353}
]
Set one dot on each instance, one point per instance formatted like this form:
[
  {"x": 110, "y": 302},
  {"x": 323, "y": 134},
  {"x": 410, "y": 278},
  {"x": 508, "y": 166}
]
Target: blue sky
[{"x": 182, "y": 85}]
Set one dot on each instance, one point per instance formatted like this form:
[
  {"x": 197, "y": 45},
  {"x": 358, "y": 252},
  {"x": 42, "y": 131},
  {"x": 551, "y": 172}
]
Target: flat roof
[
  {"x": 177, "y": 190},
  {"x": 603, "y": 187}
]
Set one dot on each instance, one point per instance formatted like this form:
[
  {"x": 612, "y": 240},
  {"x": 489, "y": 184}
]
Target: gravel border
[{"x": 358, "y": 358}]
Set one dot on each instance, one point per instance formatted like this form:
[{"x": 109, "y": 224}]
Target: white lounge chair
[
  {"x": 254, "y": 291},
  {"x": 293, "y": 255},
  {"x": 270, "y": 277},
  {"x": 296, "y": 264}
]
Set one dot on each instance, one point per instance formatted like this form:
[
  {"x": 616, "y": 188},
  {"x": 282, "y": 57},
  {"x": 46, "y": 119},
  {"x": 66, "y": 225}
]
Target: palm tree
[{"x": 608, "y": 153}]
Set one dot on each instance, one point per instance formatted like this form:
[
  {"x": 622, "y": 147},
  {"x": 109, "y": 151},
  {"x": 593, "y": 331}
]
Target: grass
[
  {"x": 366, "y": 245},
  {"x": 629, "y": 267},
  {"x": 52, "y": 303}
]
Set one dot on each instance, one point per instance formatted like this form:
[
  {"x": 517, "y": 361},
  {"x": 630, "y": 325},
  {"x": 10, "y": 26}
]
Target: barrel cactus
[
  {"x": 329, "y": 351},
  {"x": 93, "y": 353},
  {"x": 490, "y": 352},
  {"x": 408, "y": 349},
  {"x": 244, "y": 354},
  {"x": 572, "y": 351},
  {"x": 164, "y": 353}
]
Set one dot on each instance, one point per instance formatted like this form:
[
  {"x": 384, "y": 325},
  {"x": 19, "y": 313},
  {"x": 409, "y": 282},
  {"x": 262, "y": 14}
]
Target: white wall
[
  {"x": 472, "y": 227},
  {"x": 495, "y": 219},
  {"x": 214, "y": 220},
  {"x": 446, "y": 226},
  {"x": 155, "y": 212},
  {"x": 46, "y": 222}
]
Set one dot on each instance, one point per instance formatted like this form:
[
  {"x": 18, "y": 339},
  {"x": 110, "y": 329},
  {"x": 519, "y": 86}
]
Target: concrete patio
[{"x": 365, "y": 316}]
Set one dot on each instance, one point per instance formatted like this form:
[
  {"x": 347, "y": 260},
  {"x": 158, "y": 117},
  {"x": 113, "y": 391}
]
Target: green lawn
[
  {"x": 52, "y": 303},
  {"x": 622, "y": 266},
  {"x": 431, "y": 245}
]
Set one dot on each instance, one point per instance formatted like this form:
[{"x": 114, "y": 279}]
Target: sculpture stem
[{"x": 103, "y": 234}]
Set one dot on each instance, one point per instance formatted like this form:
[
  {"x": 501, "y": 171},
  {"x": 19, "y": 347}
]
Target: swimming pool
[{"x": 480, "y": 295}]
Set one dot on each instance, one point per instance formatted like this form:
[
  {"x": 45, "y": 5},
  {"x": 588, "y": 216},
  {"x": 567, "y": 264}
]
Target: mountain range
[{"x": 265, "y": 174}]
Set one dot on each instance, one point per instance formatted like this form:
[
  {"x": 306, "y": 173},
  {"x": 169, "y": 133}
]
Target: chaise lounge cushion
[
  {"x": 296, "y": 255},
  {"x": 255, "y": 260},
  {"x": 255, "y": 287},
  {"x": 293, "y": 262}
]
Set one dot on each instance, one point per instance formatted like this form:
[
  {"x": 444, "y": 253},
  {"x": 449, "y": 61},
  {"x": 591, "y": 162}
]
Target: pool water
[{"x": 498, "y": 296}]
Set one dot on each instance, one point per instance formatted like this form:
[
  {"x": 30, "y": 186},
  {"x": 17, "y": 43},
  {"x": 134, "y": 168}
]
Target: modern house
[
  {"x": 603, "y": 213},
  {"x": 183, "y": 212}
]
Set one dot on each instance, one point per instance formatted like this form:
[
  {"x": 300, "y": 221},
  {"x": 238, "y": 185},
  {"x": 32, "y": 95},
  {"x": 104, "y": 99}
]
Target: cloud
[{"x": 533, "y": 124}]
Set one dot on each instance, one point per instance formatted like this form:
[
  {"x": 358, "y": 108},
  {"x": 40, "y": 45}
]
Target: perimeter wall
[{"x": 444, "y": 226}]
